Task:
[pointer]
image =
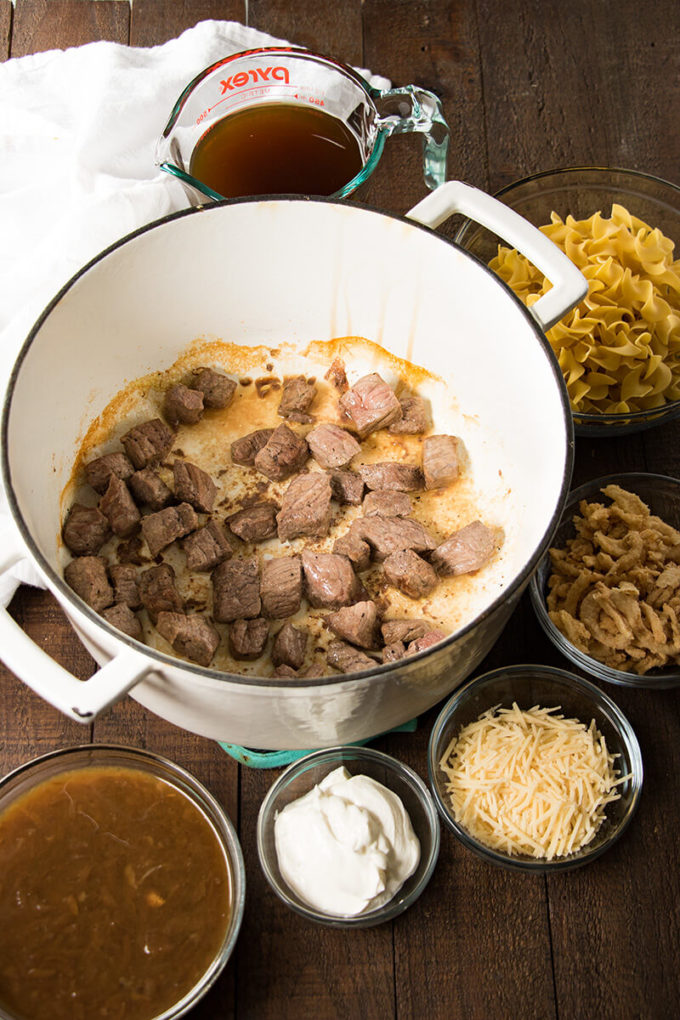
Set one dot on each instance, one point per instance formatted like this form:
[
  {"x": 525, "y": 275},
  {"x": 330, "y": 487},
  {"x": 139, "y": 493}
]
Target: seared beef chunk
[
  {"x": 87, "y": 576},
  {"x": 357, "y": 624},
  {"x": 465, "y": 550},
  {"x": 149, "y": 489},
  {"x": 347, "y": 487},
  {"x": 217, "y": 389},
  {"x": 290, "y": 645},
  {"x": 391, "y": 476},
  {"x": 130, "y": 551},
  {"x": 146, "y": 443},
  {"x": 352, "y": 545},
  {"x": 440, "y": 461},
  {"x": 158, "y": 592},
  {"x": 337, "y": 376},
  {"x": 284, "y": 670},
  {"x": 236, "y": 590},
  {"x": 391, "y": 534},
  {"x": 284, "y": 454},
  {"x": 414, "y": 417},
  {"x": 331, "y": 446},
  {"x": 245, "y": 449},
  {"x": 99, "y": 471},
  {"x": 383, "y": 503},
  {"x": 330, "y": 580},
  {"x": 410, "y": 574},
  {"x": 182, "y": 406},
  {"x": 281, "y": 587},
  {"x": 194, "y": 486},
  {"x": 85, "y": 530},
  {"x": 402, "y": 630},
  {"x": 371, "y": 404},
  {"x": 296, "y": 399},
  {"x": 122, "y": 617},
  {"x": 120, "y": 508},
  {"x": 305, "y": 507},
  {"x": 162, "y": 528},
  {"x": 247, "y": 638},
  {"x": 191, "y": 636},
  {"x": 347, "y": 659},
  {"x": 125, "y": 587},
  {"x": 207, "y": 547},
  {"x": 394, "y": 652},
  {"x": 255, "y": 523},
  {"x": 431, "y": 637}
]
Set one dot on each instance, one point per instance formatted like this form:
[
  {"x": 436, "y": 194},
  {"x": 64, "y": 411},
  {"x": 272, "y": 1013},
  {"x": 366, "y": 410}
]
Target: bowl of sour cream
[{"x": 348, "y": 837}]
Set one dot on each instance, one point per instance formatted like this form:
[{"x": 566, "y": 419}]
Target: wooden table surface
[{"x": 526, "y": 86}]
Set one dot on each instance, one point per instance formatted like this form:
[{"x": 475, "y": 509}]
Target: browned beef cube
[
  {"x": 85, "y": 529},
  {"x": 347, "y": 487},
  {"x": 464, "y": 551},
  {"x": 120, "y": 508},
  {"x": 217, "y": 389},
  {"x": 347, "y": 659},
  {"x": 331, "y": 446},
  {"x": 383, "y": 503},
  {"x": 122, "y": 617},
  {"x": 371, "y": 404},
  {"x": 414, "y": 417},
  {"x": 255, "y": 523},
  {"x": 149, "y": 489},
  {"x": 147, "y": 443},
  {"x": 357, "y": 624},
  {"x": 245, "y": 449},
  {"x": 281, "y": 587},
  {"x": 440, "y": 461},
  {"x": 330, "y": 580},
  {"x": 337, "y": 376},
  {"x": 131, "y": 551},
  {"x": 431, "y": 637},
  {"x": 87, "y": 576},
  {"x": 290, "y": 645},
  {"x": 296, "y": 399},
  {"x": 194, "y": 486},
  {"x": 391, "y": 534},
  {"x": 284, "y": 671},
  {"x": 394, "y": 652},
  {"x": 158, "y": 592},
  {"x": 305, "y": 507},
  {"x": 99, "y": 471},
  {"x": 207, "y": 547},
  {"x": 182, "y": 406},
  {"x": 352, "y": 545},
  {"x": 247, "y": 638},
  {"x": 125, "y": 587},
  {"x": 392, "y": 477},
  {"x": 236, "y": 590},
  {"x": 410, "y": 574},
  {"x": 284, "y": 454},
  {"x": 191, "y": 636},
  {"x": 163, "y": 527},
  {"x": 402, "y": 630}
]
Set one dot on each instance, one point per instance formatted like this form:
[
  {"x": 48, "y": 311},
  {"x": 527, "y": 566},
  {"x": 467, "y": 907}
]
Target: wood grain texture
[
  {"x": 155, "y": 21},
  {"x": 6, "y": 12},
  {"x": 331, "y": 29},
  {"x": 57, "y": 24}
]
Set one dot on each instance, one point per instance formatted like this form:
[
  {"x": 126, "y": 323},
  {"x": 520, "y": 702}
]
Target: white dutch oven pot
[{"x": 270, "y": 271}]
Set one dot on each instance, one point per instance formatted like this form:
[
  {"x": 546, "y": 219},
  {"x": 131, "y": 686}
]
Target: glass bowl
[
  {"x": 581, "y": 191},
  {"x": 93, "y": 756},
  {"x": 661, "y": 493},
  {"x": 301, "y": 776},
  {"x": 547, "y": 687}
]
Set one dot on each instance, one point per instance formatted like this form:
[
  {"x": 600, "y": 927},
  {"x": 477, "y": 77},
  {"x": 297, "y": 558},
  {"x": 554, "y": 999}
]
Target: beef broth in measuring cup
[{"x": 285, "y": 121}]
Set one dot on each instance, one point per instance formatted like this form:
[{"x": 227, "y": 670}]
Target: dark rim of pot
[{"x": 66, "y": 594}]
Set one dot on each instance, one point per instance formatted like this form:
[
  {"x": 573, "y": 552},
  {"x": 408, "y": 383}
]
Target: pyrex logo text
[{"x": 237, "y": 81}]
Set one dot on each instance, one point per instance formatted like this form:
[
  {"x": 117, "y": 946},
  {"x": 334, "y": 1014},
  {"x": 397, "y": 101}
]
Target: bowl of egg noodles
[{"x": 619, "y": 349}]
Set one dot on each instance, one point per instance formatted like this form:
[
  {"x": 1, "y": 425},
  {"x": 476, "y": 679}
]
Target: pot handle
[
  {"x": 569, "y": 285},
  {"x": 81, "y": 700}
]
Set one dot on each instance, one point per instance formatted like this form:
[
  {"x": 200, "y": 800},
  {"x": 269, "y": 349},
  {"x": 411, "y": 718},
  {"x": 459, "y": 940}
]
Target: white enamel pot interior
[{"x": 295, "y": 270}]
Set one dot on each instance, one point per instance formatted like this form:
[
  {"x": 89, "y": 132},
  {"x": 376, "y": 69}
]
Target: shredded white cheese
[{"x": 530, "y": 782}]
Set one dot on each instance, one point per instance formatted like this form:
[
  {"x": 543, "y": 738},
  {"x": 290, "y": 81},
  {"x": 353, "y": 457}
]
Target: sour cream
[{"x": 347, "y": 846}]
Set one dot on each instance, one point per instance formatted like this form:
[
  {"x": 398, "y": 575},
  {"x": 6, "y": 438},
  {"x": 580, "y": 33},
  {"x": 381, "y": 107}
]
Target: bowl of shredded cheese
[
  {"x": 534, "y": 768},
  {"x": 619, "y": 349}
]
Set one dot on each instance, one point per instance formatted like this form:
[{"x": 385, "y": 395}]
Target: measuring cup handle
[{"x": 418, "y": 110}]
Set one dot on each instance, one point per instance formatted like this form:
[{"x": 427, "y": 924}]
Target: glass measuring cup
[{"x": 292, "y": 77}]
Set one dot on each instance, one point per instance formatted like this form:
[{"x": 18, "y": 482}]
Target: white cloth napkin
[{"x": 78, "y": 129}]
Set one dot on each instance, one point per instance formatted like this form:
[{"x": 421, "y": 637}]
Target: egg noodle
[{"x": 619, "y": 349}]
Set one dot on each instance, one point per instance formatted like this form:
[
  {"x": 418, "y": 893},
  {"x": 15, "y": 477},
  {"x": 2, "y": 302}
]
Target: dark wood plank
[
  {"x": 57, "y": 24},
  {"x": 155, "y": 21},
  {"x": 6, "y": 11},
  {"x": 319, "y": 27}
]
